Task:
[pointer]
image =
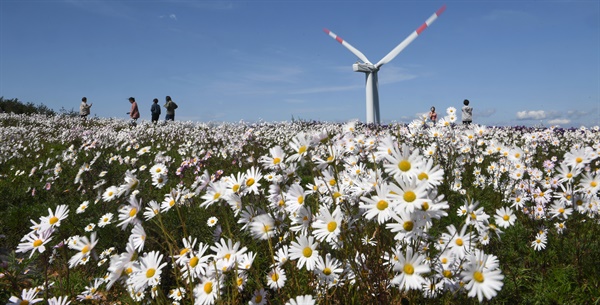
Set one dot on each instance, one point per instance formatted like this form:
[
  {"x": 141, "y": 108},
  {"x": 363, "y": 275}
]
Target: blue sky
[{"x": 518, "y": 62}]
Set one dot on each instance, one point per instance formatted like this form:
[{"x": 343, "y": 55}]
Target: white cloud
[
  {"x": 274, "y": 74},
  {"x": 532, "y": 115},
  {"x": 326, "y": 89},
  {"x": 170, "y": 16},
  {"x": 578, "y": 113},
  {"x": 485, "y": 113},
  {"x": 559, "y": 122},
  {"x": 390, "y": 75}
]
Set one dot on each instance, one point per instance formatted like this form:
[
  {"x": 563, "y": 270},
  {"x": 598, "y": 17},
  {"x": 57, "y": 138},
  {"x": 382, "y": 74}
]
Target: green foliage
[{"x": 18, "y": 107}]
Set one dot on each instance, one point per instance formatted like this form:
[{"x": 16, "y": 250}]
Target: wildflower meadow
[{"x": 101, "y": 212}]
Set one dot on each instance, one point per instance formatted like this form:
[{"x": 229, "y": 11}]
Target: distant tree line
[{"x": 18, "y": 107}]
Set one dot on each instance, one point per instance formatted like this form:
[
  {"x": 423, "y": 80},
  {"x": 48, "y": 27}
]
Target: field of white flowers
[{"x": 102, "y": 212}]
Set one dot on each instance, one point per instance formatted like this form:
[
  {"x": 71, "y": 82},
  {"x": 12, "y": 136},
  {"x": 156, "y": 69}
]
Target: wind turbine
[{"x": 370, "y": 69}]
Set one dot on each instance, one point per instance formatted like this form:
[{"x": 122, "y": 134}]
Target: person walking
[
  {"x": 433, "y": 115},
  {"x": 171, "y": 106},
  {"x": 155, "y": 110},
  {"x": 134, "y": 113},
  {"x": 84, "y": 108},
  {"x": 467, "y": 113}
]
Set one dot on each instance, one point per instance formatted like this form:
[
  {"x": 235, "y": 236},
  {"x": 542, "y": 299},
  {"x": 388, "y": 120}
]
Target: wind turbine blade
[
  {"x": 410, "y": 38},
  {"x": 348, "y": 46}
]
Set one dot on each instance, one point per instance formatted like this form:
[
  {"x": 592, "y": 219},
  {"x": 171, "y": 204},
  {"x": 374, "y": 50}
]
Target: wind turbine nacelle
[{"x": 364, "y": 67}]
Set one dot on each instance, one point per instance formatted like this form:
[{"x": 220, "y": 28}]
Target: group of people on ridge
[
  {"x": 467, "y": 113},
  {"x": 134, "y": 113}
]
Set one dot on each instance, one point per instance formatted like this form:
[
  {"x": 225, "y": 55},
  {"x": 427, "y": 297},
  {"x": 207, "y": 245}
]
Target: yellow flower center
[
  {"x": 128, "y": 270},
  {"x": 409, "y": 269},
  {"x": 150, "y": 273},
  {"x": 37, "y": 243},
  {"x": 425, "y": 206},
  {"x": 53, "y": 220},
  {"x": 593, "y": 184},
  {"x": 216, "y": 196},
  {"x": 85, "y": 249},
  {"x": 275, "y": 277},
  {"x": 447, "y": 273},
  {"x": 208, "y": 287},
  {"x": 506, "y": 217},
  {"x": 423, "y": 176},
  {"x": 336, "y": 195},
  {"x": 227, "y": 256},
  {"x": 302, "y": 149},
  {"x": 327, "y": 271},
  {"x": 276, "y": 160},
  {"x": 236, "y": 188},
  {"x": 408, "y": 225},
  {"x": 266, "y": 228},
  {"x": 250, "y": 182},
  {"x": 24, "y": 302},
  {"x": 183, "y": 251},
  {"x": 409, "y": 196},
  {"x": 132, "y": 212},
  {"x": 404, "y": 165},
  {"x": 331, "y": 226},
  {"x": 194, "y": 261},
  {"x": 307, "y": 252},
  {"x": 300, "y": 200},
  {"x": 478, "y": 276},
  {"x": 258, "y": 299},
  {"x": 382, "y": 205},
  {"x": 332, "y": 182},
  {"x": 561, "y": 210},
  {"x": 579, "y": 160},
  {"x": 459, "y": 242},
  {"x": 444, "y": 260}
]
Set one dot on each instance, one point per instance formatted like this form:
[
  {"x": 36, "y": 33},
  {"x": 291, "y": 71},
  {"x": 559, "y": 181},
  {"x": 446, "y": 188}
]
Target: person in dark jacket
[
  {"x": 171, "y": 106},
  {"x": 155, "y": 110}
]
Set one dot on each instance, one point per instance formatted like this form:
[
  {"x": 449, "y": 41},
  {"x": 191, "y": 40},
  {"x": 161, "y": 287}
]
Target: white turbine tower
[{"x": 370, "y": 69}]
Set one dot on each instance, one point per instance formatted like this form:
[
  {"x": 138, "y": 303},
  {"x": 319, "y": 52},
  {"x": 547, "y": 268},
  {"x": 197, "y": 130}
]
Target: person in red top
[{"x": 134, "y": 113}]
